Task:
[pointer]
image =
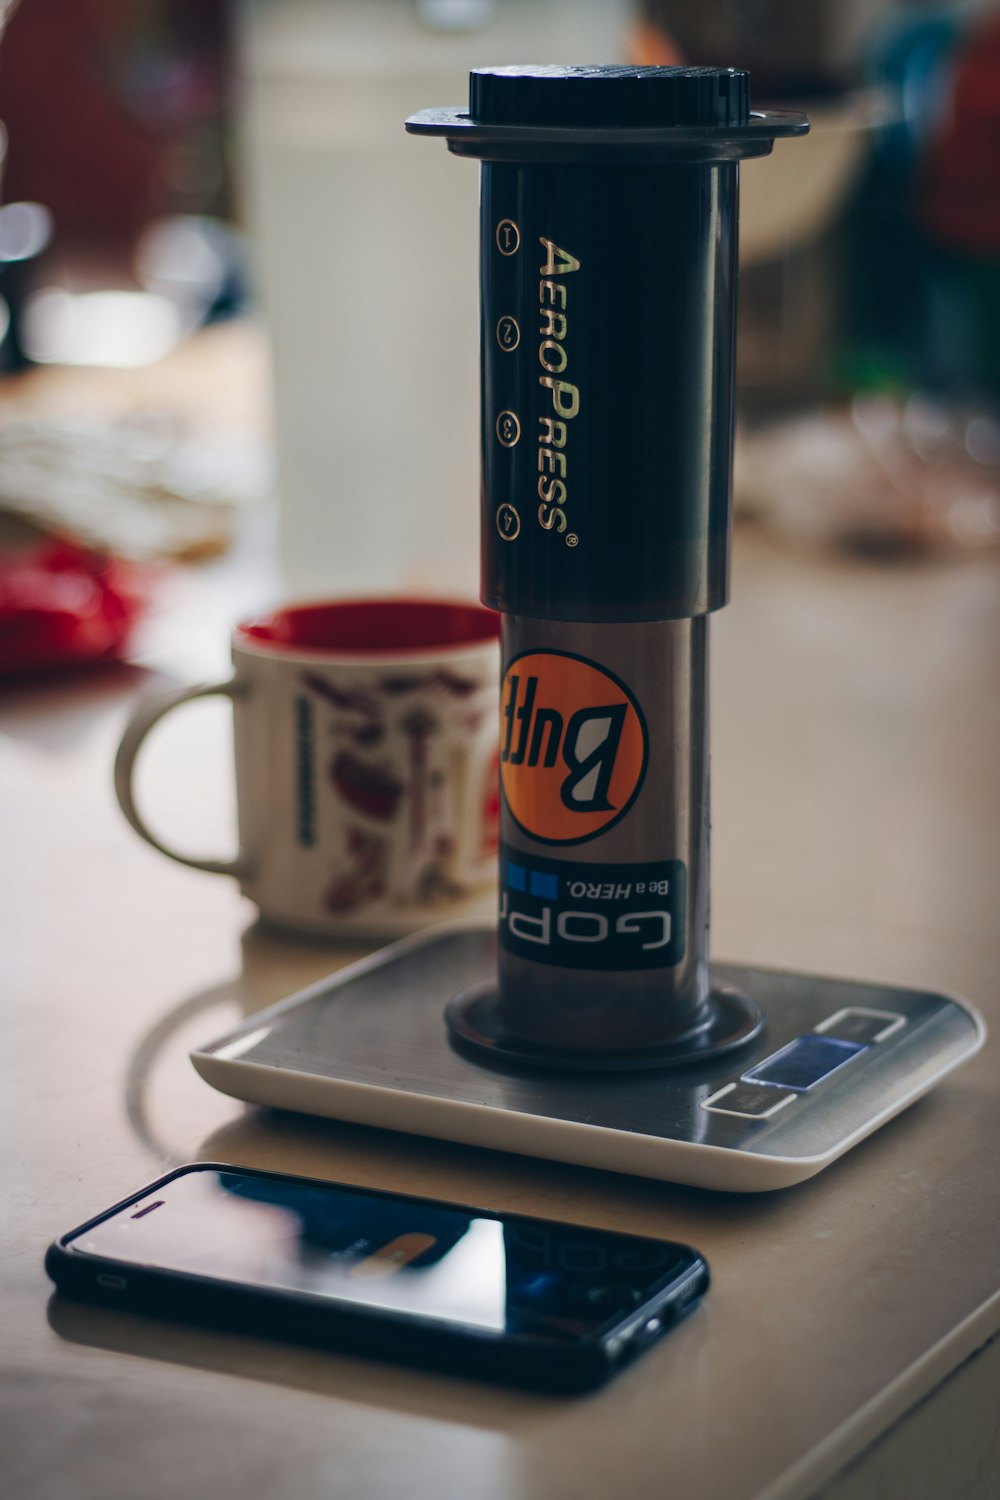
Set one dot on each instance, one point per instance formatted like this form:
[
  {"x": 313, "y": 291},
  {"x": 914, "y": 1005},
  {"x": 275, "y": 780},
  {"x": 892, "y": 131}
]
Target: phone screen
[{"x": 526, "y": 1277}]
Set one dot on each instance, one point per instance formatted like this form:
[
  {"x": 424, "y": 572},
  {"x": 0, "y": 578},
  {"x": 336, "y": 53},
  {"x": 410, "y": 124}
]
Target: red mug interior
[{"x": 362, "y": 626}]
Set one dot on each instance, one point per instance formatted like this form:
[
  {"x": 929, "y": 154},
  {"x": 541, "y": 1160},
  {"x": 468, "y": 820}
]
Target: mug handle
[{"x": 144, "y": 719}]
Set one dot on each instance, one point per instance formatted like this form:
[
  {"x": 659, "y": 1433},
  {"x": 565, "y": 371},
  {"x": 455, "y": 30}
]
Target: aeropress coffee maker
[
  {"x": 590, "y": 1025},
  {"x": 608, "y": 292}
]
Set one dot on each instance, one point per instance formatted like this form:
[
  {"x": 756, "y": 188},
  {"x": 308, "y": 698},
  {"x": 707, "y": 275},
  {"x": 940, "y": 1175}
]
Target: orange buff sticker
[{"x": 574, "y": 746}]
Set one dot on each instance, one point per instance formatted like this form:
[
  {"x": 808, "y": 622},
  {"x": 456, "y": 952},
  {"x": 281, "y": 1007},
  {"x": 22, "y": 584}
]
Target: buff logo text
[
  {"x": 553, "y": 296},
  {"x": 588, "y": 744}
]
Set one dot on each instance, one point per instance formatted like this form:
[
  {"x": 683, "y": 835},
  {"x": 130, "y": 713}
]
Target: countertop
[{"x": 856, "y": 740}]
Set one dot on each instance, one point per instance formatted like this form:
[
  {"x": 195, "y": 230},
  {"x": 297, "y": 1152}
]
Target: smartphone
[{"x": 526, "y": 1301}]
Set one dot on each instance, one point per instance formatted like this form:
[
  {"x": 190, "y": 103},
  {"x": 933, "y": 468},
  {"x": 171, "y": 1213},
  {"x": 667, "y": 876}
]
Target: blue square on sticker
[
  {"x": 516, "y": 876},
  {"x": 543, "y": 885}
]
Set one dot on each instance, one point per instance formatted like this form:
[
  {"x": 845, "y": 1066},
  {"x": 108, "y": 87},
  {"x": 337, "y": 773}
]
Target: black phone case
[{"x": 320, "y": 1322}]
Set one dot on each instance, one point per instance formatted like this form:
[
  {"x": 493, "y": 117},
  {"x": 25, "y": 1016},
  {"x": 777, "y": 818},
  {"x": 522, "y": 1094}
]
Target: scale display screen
[{"x": 804, "y": 1062}]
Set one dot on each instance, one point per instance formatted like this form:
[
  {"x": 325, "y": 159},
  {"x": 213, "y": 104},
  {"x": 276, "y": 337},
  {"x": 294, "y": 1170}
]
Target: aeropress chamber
[{"x": 609, "y": 210}]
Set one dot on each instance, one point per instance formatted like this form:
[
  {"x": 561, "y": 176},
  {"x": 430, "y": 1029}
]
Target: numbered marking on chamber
[
  {"x": 508, "y": 522},
  {"x": 508, "y": 237},
  {"x": 508, "y": 428},
  {"x": 508, "y": 333}
]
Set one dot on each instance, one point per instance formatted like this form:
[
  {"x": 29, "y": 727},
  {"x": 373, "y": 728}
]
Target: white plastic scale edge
[{"x": 405, "y": 1108}]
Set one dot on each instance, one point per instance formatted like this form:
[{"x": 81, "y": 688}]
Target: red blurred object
[
  {"x": 64, "y": 606},
  {"x": 961, "y": 200},
  {"x": 111, "y": 108}
]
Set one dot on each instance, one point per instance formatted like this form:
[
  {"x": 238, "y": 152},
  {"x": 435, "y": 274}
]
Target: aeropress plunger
[{"x": 608, "y": 297}]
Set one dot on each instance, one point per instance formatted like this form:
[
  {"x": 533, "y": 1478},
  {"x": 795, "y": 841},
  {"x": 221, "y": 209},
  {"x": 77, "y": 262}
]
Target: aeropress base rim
[{"x": 476, "y": 1026}]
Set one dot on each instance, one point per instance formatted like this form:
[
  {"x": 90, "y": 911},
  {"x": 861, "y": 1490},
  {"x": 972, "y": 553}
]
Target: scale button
[
  {"x": 753, "y": 1100},
  {"x": 858, "y": 1024},
  {"x": 803, "y": 1062}
]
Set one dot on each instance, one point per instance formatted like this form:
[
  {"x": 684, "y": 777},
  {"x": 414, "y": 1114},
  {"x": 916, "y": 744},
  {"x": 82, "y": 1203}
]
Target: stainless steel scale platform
[{"x": 836, "y": 1060}]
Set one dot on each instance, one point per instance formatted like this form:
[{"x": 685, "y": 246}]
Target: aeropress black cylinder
[{"x": 608, "y": 303}]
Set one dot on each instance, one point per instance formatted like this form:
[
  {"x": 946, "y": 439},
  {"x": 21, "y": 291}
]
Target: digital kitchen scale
[{"x": 836, "y": 1060}]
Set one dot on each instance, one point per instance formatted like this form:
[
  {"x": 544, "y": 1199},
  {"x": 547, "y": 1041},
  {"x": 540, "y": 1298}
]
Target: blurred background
[{"x": 238, "y": 305}]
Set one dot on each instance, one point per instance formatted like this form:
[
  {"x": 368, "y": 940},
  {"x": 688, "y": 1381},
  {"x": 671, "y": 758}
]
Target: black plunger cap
[
  {"x": 566, "y": 112},
  {"x": 581, "y": 96}
]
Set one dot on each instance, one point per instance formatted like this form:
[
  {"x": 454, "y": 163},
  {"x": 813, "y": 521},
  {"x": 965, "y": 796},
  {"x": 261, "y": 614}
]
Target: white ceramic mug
[{"x": 366, "y": 744}]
